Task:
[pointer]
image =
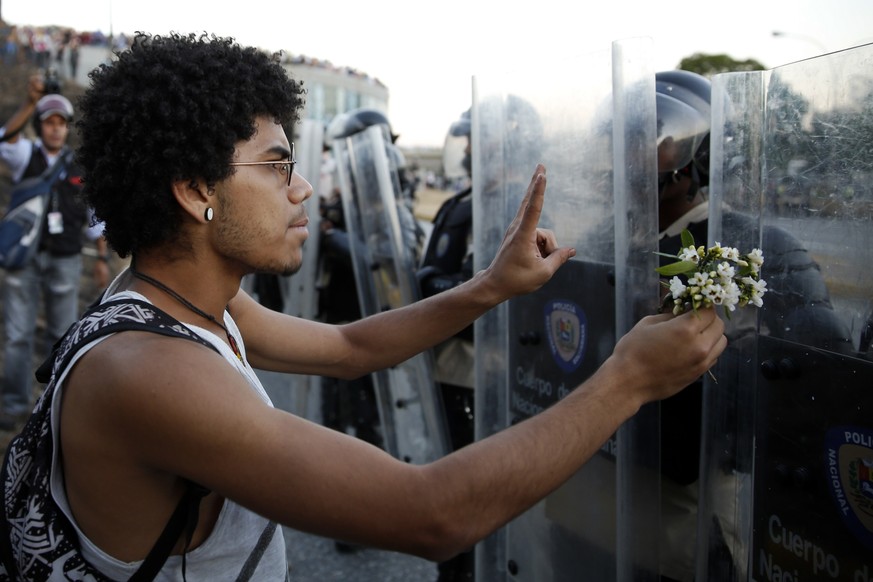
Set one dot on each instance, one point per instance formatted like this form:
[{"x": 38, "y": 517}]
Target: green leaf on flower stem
[
  {"x": 743, "y": 271},
  {"x": 677, "y": 268},
  {"x": 687, "y": 239}
]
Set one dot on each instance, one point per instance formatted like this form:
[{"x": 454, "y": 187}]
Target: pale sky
[{"x": 427, "y": 53}]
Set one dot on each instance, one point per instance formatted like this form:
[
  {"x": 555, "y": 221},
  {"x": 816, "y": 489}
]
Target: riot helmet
[
  {"x": 396, "y": 156},
  {"x": 457, "y": 160},
  {"x": 398, "y": 161},
  {"x": 357, "y": 120},
  {"x": 683, "y": 111},
  {"x": 335, "y": 128},
  {"x": 462, "y": 126}
]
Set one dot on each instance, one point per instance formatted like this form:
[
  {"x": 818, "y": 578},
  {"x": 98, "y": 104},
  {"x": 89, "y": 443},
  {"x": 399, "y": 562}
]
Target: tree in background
[{"x": 709, "y": 65}]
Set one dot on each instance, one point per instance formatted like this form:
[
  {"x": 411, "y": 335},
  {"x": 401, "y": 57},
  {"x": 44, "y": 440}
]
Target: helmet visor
[
  {"x": 456, "y": 157},
  {"x": 681, "y": 131}
]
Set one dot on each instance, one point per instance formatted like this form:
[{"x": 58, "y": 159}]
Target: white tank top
[{"x": 239, "y": 535}]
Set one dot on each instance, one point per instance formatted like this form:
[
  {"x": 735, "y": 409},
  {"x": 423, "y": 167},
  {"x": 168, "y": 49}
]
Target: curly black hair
[{"x": 171, "y": 108}]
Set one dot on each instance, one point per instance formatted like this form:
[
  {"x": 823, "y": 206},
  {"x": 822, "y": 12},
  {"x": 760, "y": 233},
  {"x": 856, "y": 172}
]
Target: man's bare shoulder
[
  {"x": 139, "y": 411},
  {"x": 131, "y": 364},
  {"x": 119, "y": 355},
  {"x": 140, "y": 406},
  {"x": 161, "y": 401}
]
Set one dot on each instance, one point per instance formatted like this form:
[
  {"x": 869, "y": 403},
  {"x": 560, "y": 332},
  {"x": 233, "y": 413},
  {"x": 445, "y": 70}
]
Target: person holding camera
[{"x": 55, "y": 270}]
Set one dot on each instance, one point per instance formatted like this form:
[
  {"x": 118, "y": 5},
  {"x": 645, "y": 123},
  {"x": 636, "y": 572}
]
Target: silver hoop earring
[{"x": 208, "y": 214}]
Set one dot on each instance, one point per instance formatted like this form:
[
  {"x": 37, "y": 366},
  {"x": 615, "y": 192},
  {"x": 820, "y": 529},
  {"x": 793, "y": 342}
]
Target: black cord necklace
[{"x": 154, "y": 282}]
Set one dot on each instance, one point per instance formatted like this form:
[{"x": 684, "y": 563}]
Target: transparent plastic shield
[
  {"x": 595, "y": 133},
  {"x": 788, "y": 431},
  {"x": 641, "y": 543},
  {"x": 728, "y": 437},
  {"x": 299, "y": 393},
  {"x": 299, "y": 290},
  {"x": 409, "y": 406}
]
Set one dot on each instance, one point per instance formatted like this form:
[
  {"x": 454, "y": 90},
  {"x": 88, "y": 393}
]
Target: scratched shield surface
[{"x": 788, "y": 428}]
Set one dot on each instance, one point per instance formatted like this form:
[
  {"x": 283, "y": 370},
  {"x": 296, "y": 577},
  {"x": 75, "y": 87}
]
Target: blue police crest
[
  {"x": 443, "y": 244},
  {"x": 567, "y": 332},
  {"x": 849, "y": 469}
]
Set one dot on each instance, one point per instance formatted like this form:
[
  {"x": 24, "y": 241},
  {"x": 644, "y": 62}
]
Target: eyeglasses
[{"x": 284, "y": 167}]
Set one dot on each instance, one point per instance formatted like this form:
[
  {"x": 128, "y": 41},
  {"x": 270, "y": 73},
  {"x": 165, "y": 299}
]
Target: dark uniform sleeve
[{"x": 448, "y": 259}]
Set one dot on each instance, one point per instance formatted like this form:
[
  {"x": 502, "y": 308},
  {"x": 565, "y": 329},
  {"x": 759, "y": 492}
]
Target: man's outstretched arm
[
  {"x": 526, "y": 260},
  {"x": 155, "y": 409}
]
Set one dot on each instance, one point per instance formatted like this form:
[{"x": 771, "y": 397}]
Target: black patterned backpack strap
[
  {"x": 111, "y": 317},
  {"x": 28, "y": 506}
]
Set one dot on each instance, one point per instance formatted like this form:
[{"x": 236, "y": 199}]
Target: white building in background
[{"x": 329, "y": 90}]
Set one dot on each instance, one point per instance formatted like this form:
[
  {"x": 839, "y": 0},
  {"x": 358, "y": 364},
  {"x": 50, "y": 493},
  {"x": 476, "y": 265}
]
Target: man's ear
[{"x": 194, "y": 197}]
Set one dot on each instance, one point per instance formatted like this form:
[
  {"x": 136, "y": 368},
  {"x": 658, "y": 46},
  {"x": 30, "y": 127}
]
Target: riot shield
[
  {"x": 384, "y": 267},
  {"x": 299, "y": 394},
  {"x": 591, "y": 121},
  {"x": 787, "y": 491},
  {"x": 299, "y": 290}
]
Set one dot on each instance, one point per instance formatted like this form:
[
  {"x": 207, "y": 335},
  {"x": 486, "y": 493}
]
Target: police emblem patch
[
  {"x": 568, "y": 333},
  {"x": 849, "y": 468},
  {"x": 443, "y": 244}
]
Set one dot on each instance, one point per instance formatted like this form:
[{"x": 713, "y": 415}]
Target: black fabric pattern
[{"x": 36, "y": 538}]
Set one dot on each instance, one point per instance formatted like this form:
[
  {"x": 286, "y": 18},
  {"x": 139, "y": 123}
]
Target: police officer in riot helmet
[
  {"x": 412, "y": 232},
  {"x": 797, "y": 307},
  {"x": 457, "y": 154},
  {"x": 798, "y": 294},
  {"x": 448, "y": 259},
  {"x": 356, "y": 121},
  {"x": 347, "y": 405},
  {"x": 350, "y": 405},
  {"x": 448, "y": 262},
  {"x": 683, "y": 146}
]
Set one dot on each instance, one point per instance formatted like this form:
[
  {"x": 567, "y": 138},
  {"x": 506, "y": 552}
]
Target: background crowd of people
[{"x": 52, "y": 47}]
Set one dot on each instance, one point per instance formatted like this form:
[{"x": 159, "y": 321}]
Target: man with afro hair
[{"x": 187, "y": 162}]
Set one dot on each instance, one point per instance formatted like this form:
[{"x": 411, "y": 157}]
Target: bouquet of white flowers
[{"x": 716, "y": 276}]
